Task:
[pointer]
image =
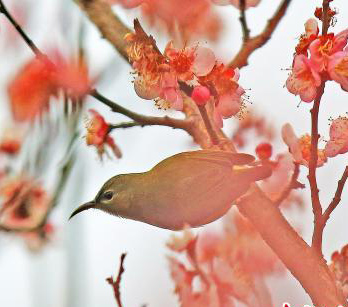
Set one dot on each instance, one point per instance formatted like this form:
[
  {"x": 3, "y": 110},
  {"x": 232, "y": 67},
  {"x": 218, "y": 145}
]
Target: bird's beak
[{"x": 86, "y": 206}]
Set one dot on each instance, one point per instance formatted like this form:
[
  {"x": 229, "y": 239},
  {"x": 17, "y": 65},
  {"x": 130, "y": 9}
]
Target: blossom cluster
[
  {"x": 24, "y": 206},
  {"x": 194, "y": 72},
  {"x": 40, "y": 79},
  {"x": 318, "y": 58},
  {"x": 223, "y": 267},
  {"x": 183, "y": 19},
  {"x": 98, "y": 135}
]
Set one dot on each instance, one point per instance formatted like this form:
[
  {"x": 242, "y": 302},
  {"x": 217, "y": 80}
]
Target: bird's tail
[{"x": 251, "y": 174}]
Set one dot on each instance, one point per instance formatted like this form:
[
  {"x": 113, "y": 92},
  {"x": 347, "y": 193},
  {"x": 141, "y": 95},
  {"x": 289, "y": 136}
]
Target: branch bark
[{"x": 253, "y": 43}]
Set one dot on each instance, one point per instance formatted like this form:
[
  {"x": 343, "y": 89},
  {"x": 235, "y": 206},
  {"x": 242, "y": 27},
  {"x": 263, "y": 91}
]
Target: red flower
[
  {"x": 98, "y": 134},
  {"x": 39, "y": 79},
  {"x": 25, "y": 203},
  {"x": 30, "y": 90}
]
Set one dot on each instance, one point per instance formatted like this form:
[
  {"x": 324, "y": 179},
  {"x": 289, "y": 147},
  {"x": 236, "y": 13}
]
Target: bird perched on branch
[{"x": 190, "y": 188}]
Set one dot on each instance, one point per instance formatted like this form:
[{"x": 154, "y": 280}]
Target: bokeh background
[{"x": 71, "y": 270}]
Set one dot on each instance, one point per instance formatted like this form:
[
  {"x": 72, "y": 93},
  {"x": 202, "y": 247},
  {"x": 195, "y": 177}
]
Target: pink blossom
[
  {"x": 325, "y": 46},
  {"x": 311, "y": 27},
  {"x": 170, "y": 91},
  {"x": 25, "y": 203},
  {"x": 300, "y": 148},
  {"x": 338, "y": 143},
  {"x": 303, "y": 79},
  {"x": 204, "y": 61},
  {"x": 338, "y": 68},
  {"x": 189, "y": 61},
  {"x": 248, "y": 3},
  {"x": 228, "y": 105}
]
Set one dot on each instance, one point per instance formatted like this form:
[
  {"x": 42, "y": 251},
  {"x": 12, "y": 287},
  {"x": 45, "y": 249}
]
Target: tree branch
[
  {"x": 125, "y": 125},
  {"x": 302, "y": 261},
  {"x": 116, "y": 284},
  {"x": 337, "y": 198},
  {"x": 185, "y": 124},
  {"x": 312, "y": 168},
  {"x": 243, "y": 21},
  {"x": 293, "y": 184},
  {"x": 253, "y": 43},
  {"x": 19, "y": 29},
  {"x": 325, "y": 17},
  {"x": 109, "y": 25}
]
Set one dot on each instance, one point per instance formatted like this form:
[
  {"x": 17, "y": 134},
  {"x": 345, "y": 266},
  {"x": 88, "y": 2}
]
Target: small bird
[{"x": 190, "y": 188}]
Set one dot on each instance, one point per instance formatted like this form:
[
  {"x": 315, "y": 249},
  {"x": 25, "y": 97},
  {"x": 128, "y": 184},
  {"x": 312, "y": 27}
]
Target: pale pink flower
[
  {"x": 300, "y": 148},
  {"x": 303, "y": 79},
  {"x": 228, "y": 105},
  {"x": 248, "y": 3},
  {"x": 189, "y": 61},
  {"x": 170, "y": 92},
  {"x": 204, "y": 61},
  {"x": 180, "y": 243},
  {"x": 338, "y": 68},
  {"x": 338, "y": 143},
  {"x": 324, "y": 47},
  {"x": 311, "y": 27}
]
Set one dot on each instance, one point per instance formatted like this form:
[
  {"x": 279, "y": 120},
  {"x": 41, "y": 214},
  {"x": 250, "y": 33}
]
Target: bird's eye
[{"x": 108, "y": 195}]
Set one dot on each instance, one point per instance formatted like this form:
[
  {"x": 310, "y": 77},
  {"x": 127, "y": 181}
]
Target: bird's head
[{"x": 113, "y": 197}]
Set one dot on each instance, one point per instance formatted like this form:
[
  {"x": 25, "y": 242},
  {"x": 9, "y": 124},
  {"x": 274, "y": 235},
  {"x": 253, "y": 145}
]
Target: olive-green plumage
[{"x": 190, "y": 188}]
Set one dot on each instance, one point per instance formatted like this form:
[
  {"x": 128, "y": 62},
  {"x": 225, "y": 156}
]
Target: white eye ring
[{"x": 108, "y": 195}]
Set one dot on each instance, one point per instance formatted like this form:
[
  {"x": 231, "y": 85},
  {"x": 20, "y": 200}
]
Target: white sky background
[{"x": 72, "y": 271}]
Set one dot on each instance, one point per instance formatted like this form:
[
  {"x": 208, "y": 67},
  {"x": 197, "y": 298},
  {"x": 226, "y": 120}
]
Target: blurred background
[{"x": 70, "y": 270}]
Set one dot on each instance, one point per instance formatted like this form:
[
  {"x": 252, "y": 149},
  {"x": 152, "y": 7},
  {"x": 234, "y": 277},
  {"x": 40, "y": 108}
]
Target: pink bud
[{"x": 200, "y": 95}]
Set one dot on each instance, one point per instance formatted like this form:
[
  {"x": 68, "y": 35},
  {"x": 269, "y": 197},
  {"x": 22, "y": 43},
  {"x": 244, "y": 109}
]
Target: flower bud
[
  {"x": 264, "y": 151},
  {"x": 200, "y": 95}
]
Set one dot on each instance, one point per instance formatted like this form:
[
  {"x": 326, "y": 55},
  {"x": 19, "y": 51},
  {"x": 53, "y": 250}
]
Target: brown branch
[
  {"x": 19, "y": 29},
  {"x": 312, "y": 168},
  {"x": 109, "y": 25},
  {"x": 325, "y": 17},
  {"x": 243, "y": 21},
  {"x": 208, "y": 125},
  {"x": 337, "y": 198},
  {"x": 253, "y": 43},
  {"x": 116, "y": 284},
  {"x": 293, "y": 184},
  {"x": 125, "y": 125},
  {"x": 185, "y": 124}
]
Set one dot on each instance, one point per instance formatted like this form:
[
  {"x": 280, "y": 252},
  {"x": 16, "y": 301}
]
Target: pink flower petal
[{"x": 204, "y": 61}]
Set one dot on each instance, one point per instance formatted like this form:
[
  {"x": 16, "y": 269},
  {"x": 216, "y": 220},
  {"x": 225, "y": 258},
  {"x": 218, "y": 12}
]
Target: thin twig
[
  {"x": 255, "y": 42},
  {"x": 312, "y": 168},
  {"x": 125, "y": 125},
  {"x": 116, "y": 284},
  {"x": 19, "y": 29},
  {"x": 184, "y": 124},
  {"x": 293, "y": 184},
  {"x": 243, "y": 21},
  {"x": 213, "y": 136},
  {"x": 337, "y": 198}
]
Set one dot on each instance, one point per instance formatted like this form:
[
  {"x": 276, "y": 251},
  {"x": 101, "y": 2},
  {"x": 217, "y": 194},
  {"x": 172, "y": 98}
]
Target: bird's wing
[
  {"x": 208, "y": 157},
  {"x": 218, "y": 156}
]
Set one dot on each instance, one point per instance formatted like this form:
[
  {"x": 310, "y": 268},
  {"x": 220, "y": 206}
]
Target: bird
[{"x": 190, "y": 188}]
